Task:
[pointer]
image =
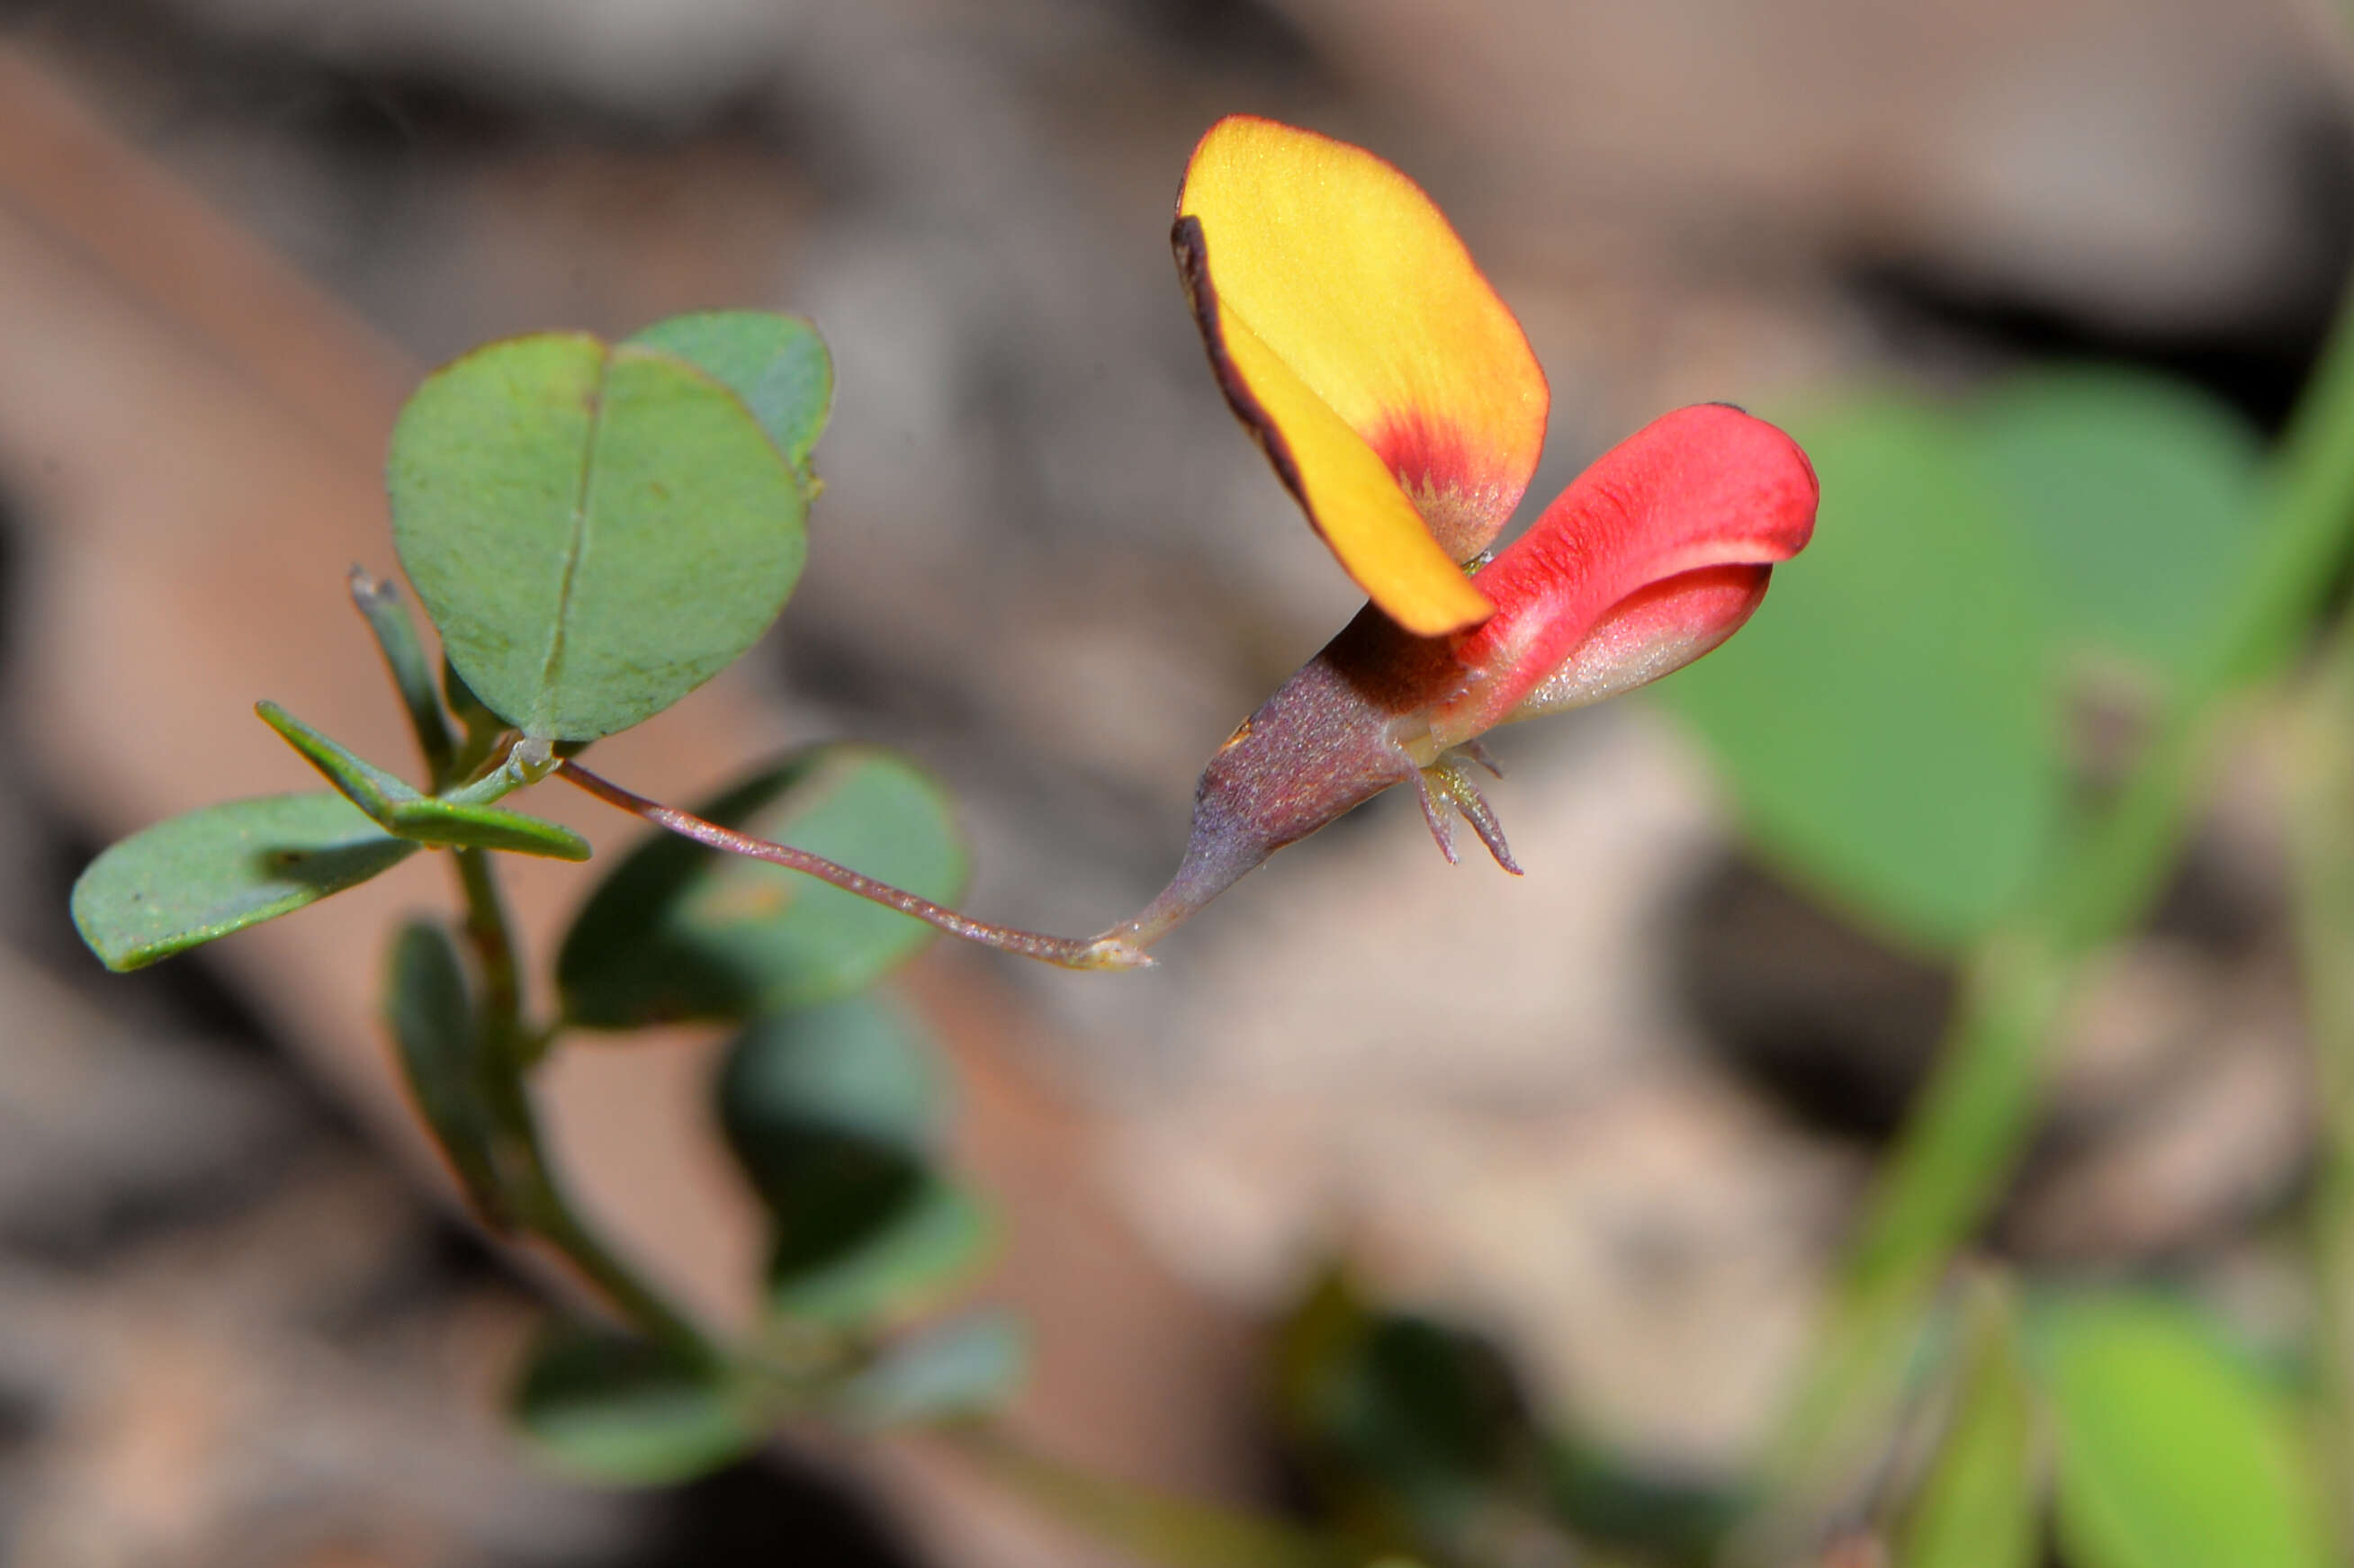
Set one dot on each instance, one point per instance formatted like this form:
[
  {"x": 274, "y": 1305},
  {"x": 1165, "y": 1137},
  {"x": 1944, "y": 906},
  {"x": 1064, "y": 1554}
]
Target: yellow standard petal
[{"x": 1353, "y": 335}]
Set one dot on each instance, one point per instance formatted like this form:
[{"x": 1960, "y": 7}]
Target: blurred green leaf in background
[
  {"x": 1980, "y": 1504},
  {"x": 605, "y": 1408},
  {"x": 2174, "y": 1451},
  {"x": 833, "y": 1113},
  {"x": 1895, "y": 725}
]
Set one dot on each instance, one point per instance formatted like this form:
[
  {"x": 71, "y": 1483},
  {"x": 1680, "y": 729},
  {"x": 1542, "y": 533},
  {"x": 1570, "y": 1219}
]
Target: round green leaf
[
  {"x": 431, "y": 1017},
  {"x": 1885, "y": 722},
  {"x": 777, "y": 363},
  {"x": 596, "y": 531},
  {"x": 680, "y": 931},
  {"x": 2174, "y": 1453},
  {"x": 624, "y": 1412},
  {"x": 2140, "y": 495},
  {"x": 221, "y": 869}
]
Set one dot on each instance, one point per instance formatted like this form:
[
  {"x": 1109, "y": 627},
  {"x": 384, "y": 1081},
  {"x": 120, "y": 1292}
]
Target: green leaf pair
[
  {"x": 1894, "y": 722},
  {"x": 222, "y": 868}
]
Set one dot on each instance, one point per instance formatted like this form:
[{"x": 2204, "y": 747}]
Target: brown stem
[{"x": 1069, "y": 952}]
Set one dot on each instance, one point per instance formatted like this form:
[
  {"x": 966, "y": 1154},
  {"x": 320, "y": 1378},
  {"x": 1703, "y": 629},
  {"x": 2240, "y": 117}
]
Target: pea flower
[{"x": 1401, "y": 406}]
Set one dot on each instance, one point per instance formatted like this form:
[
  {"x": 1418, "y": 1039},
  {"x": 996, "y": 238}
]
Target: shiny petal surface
[
  {"x": 1353, "y": 335},
  {"x": 1654, "y": 555},
  {"x": 1655, "y": 632}
]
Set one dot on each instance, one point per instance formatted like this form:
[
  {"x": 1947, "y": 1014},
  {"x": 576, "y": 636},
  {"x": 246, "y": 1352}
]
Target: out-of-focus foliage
[
  {"x": 2140, "y": 496},
  {"x": 2173, "y": 1451},
  {"x": 1884, "y": 721},
  {"x": 963, "y": 1367},
  {"x": 834, "y": 1112},
  {"x": 624, "y": 1412},
  {"x": 1979, "y": 1506},
  {"x": 1894, "y": 723}
]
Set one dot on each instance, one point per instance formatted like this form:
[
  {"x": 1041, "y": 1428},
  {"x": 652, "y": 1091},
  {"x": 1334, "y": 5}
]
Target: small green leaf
[
  {"x": 433, "y": 1026},
  {"x": 1885, "y": 722},
  {"x": 680, "y": 931},
  {"x": 777, "y": 363},
  {"x": 221, "y": 869},
  {"x": 399, "y": 809},
  {"x": 830, "y": 1112},
  {"x": 2139, "y": 494},
  {"x": 2174, "y": 1453},
  {"x": 1979, "y": 1508},
  {"x": 596, "y": 531},
  {"x": 624, "y": 1412},
  {"x": 412, "y": 673},
  {"x": 964, "y": 1368}
]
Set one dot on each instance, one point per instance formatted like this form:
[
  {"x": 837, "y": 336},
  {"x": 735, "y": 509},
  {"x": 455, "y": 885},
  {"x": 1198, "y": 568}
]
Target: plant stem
[
  {"x": 540, "y": 1206},
  {"x": 2322, "y": 840},
  {"x": 1975, "y": 1115},
  {"x": 1067, "y": 952},
  {"x": 493, "y": 939},
  {"x": 1181, "y": 1532}
]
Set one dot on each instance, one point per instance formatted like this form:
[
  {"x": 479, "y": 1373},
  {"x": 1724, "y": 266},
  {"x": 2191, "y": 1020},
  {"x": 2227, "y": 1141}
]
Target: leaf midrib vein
[{"x": 551, "y": 668}]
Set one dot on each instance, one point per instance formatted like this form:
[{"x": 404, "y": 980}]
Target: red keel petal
[{"x": 1590, "y": 593}]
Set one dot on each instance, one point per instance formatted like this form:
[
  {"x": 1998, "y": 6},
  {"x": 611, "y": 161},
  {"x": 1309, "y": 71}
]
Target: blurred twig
[{"x": 1154, "y": 1526}]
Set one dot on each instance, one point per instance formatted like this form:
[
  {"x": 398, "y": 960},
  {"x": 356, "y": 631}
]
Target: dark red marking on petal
[{"x": 1192, "y": 252}]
